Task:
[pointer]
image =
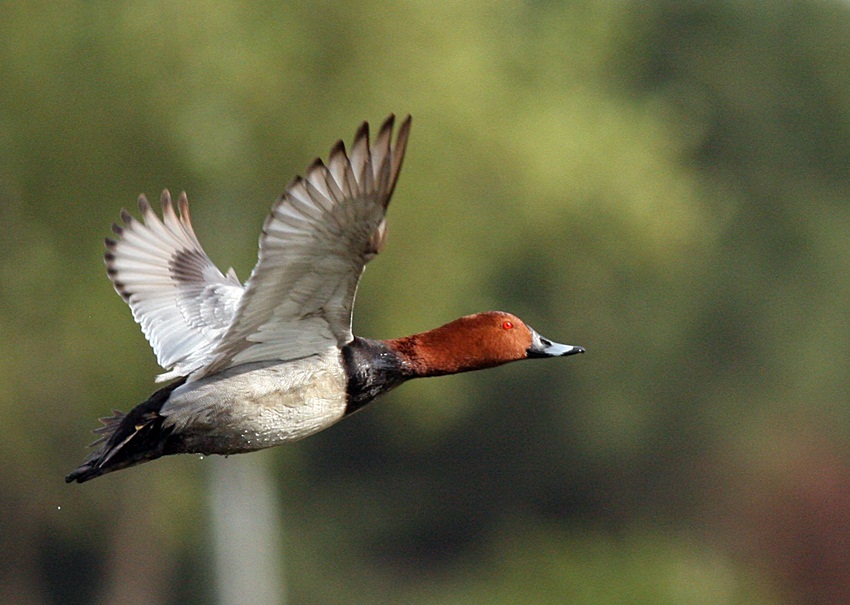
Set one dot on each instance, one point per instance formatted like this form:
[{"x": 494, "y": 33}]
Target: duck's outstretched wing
[
  {"x": 178, "y": 296},
  {"x": 315, "y": 243}
]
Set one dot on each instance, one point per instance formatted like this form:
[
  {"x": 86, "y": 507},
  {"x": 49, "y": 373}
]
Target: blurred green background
[{"x": 664, "y": 183}]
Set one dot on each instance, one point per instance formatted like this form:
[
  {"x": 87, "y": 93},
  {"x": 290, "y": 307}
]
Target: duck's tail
[{"x": 128, "y": 439}]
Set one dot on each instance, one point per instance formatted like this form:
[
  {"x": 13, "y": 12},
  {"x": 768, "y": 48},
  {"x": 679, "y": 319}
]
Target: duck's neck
[
  {"x": 377, "y": 366},
  {"x": 458, "y": 346},
  {"x": 423, "y": 355}
]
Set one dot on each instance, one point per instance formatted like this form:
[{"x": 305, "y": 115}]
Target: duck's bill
[{"x": 543, "y": 347}]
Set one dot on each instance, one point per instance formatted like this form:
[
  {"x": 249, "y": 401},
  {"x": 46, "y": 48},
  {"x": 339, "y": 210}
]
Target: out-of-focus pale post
[{"x": 246, "y": 531}]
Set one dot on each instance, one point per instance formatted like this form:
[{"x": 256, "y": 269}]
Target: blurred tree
[{"x": 664, "y": 183}]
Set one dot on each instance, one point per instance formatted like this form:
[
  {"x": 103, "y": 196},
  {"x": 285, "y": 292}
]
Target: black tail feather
[{"x": 128, "y": 439}]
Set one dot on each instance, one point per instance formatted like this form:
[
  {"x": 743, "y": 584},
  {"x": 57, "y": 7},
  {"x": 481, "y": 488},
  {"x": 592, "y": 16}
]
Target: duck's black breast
[{"x": 372, "y": 368}]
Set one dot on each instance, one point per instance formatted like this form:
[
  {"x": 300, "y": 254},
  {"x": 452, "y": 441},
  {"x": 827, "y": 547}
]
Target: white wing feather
[
  {"x": 315, "y": 243},
  {"x": 178, "y": 296}
]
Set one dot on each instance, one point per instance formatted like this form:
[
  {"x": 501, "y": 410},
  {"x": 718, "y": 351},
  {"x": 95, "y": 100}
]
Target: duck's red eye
[{"x": 507, "y": 325}]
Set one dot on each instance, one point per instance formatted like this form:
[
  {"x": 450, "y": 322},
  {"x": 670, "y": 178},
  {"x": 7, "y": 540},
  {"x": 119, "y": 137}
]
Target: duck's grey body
[
  {"x": 241, "y": 409},
  {"x": 257, "y": 405}
]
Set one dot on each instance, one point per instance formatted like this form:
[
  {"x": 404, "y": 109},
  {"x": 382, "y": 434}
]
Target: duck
[{"x": 274, "y": 360}]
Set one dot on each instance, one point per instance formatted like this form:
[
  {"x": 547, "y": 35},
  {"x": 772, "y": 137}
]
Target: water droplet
[{"x": 200, "y": 456}]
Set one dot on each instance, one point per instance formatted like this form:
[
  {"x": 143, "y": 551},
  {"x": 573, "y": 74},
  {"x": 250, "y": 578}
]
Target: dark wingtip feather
[
  {"x": 404, "y": 129},
  {"x": 126, "y": 216},
  {"x": 296, "y": 180},
  {"x": 398, "y": 149},
  {"x": 362, "y": 132},
  {"x": 183, "y": 208},
  {"x": 144, "y": 204},
  {"x": 388, "y": 123},
  {"x": 122, "y": 291},
  {"x": 338, "y": 154},
  {"x": 338, "y": 147}
]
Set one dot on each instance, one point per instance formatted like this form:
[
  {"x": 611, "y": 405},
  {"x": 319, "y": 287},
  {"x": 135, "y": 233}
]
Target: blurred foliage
[{"x": 665, "y": 183}]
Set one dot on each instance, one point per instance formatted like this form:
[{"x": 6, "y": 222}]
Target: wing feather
[
  {"x": 315, "y": 244},
  {"x": 178, "y": 296}
]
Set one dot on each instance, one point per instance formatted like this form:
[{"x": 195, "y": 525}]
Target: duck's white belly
[{"x": 258, "y": 405}]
